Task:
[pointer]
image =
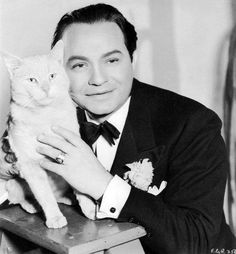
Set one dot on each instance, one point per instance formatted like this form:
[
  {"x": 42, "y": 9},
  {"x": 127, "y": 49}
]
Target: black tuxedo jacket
[{"x": 182, "y": 139}]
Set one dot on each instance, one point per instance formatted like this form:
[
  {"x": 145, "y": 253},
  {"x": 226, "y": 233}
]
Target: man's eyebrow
[
  {"x": 116, "y": 51},
  {"x": 83, "y": 58},
  {"x": 72, "y": 58}
]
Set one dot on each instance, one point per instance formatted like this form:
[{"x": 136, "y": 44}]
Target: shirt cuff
[{"x": 114, "y": 198}]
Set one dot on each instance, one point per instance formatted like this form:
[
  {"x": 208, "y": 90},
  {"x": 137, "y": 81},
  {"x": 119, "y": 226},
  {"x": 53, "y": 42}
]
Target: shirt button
[{"x": 112, "y": 209}]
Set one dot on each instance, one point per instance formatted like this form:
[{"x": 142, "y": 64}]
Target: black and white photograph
[{"x": 118, "y": 127}]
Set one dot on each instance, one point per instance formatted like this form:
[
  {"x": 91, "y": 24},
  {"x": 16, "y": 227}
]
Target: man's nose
[{"x": 97, "y": 77}]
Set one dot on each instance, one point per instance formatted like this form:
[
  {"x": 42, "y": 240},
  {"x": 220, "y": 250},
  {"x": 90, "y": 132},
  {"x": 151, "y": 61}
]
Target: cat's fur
[{"x": 39, "y": 99}]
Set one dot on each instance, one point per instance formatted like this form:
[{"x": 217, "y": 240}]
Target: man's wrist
[{"x": 103, "y": 183}]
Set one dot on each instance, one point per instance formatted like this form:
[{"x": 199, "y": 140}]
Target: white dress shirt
[{"x": 117, "y": 190}]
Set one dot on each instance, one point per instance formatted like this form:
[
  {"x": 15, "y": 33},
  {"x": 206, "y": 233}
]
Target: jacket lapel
[
  {"x": 126, "y": 150},
  {"x": 137, "y": 140}
]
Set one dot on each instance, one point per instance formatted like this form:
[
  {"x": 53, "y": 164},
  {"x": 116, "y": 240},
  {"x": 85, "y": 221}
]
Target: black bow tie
[{"x": 91, "y": 131}]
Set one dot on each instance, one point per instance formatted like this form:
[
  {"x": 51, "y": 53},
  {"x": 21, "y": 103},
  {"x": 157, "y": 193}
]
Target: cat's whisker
[{"x": 27, "y": 103}]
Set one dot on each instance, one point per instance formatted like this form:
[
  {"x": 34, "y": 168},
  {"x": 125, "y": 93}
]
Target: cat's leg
[
  {"x": 61, "y": 189},
  {"x": 38, "y": 182},
  {"x": 19, "y": 193},
  {"x": 87, "y": 205},
  {"x": 29, "y": 207}
]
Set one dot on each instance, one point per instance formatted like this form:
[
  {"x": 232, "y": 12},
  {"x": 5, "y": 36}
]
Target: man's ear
[
  {"x": 57, "y": 52},
  {"x": 12, "y": 62},
  {"x": 135, "y": 57}
]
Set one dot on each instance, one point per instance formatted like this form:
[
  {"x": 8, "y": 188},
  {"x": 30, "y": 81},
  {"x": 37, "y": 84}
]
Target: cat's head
[{"x": 38, "y": 80}]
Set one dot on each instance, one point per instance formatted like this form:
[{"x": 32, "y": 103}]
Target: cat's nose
[{"x": 45, "y": 87}]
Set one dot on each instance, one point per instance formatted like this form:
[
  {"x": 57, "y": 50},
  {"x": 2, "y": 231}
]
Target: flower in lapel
[{"x": 141, "y": 175}]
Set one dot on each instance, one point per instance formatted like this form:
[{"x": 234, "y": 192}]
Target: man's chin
[{"x": 99, "y": 114}]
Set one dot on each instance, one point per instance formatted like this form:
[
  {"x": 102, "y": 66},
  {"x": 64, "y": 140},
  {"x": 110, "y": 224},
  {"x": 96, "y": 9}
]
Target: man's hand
[{"x": 80, "y": 169}]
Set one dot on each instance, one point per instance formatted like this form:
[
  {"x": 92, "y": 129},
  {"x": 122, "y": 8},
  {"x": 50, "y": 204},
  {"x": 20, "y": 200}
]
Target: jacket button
[
  {"x": 149, "y": 235},
  {"x": 112, "y": 209},
  {"x": 131, "y": 219}
]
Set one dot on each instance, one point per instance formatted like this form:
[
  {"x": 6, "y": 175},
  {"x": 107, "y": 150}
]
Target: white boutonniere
[{"x": 141, "y": 175}]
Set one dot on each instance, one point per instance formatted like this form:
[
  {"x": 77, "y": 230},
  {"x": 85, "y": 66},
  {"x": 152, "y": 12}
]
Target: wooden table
[{"x": 81, "y": 235}]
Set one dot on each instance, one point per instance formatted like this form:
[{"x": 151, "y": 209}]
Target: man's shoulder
[
  {"x": 158, "y": 94},
  {"x": 160, "y": 100},
  {"x": 167, "y": 98}
]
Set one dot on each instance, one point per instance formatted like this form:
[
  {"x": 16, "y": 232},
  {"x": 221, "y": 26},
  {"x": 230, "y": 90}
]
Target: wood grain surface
[{"x": 81, "y": 235}]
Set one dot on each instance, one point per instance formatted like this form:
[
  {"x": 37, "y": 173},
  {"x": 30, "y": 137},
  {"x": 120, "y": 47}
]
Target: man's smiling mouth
[{"x": 99, "y": 93}]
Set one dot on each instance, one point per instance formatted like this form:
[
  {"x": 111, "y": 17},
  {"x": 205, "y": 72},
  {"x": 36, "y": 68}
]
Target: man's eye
[
  {"x": 79, "y": 65},
  {"x": 113, "y": 60}
]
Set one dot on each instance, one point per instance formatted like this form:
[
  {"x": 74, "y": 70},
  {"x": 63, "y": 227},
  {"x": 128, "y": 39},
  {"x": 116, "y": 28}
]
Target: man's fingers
[
  {"x": 51, "y": 166},
  {"x": 68, "y": 135},
  {"x": 55, "y": 142},
  {"x": 49, "y": 151}
]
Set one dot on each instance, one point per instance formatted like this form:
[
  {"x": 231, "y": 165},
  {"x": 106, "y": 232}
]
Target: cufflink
[{"x": 112, "y": 209}]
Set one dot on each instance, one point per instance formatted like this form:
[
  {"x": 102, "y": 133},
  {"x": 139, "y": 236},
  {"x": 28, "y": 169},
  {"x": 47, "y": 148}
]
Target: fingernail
[{"x": 41, "y": 137}]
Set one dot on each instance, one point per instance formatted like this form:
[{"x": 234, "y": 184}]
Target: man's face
[{"x": 98, "y": 65}]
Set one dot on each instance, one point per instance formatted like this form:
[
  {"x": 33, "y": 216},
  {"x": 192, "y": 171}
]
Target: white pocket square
[{"x": 156, "y": 191}]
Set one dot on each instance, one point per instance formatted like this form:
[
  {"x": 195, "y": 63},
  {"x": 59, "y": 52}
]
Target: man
[{"x": 169, "y": 148}]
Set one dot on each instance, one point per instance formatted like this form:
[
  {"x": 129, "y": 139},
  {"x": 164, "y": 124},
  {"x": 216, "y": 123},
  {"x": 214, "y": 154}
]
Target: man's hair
[{"x": 98, "y": 13}]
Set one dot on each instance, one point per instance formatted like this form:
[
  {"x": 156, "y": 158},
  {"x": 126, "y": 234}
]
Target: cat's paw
[
  {"x": 56, "y": 222},
  {"x": 28, "y": 207},
  {"x": 87, "y": 205}
]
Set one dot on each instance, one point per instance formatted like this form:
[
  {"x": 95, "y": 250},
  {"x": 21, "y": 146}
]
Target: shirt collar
[{"x": 117, "y": 118}]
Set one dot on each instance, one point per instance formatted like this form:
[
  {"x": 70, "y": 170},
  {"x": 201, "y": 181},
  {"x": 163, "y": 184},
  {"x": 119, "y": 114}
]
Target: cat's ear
[
  {"x": 57, "y": 52},
  {"x": 12, "y": 62}
]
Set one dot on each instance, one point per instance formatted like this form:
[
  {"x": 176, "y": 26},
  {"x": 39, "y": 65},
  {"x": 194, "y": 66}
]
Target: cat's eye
[
  {"x": 33, "y": 80},
  {"x": 52, "y": 75}
]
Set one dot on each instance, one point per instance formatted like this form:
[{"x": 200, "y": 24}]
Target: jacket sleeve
[{"x": 185, "y": 218}]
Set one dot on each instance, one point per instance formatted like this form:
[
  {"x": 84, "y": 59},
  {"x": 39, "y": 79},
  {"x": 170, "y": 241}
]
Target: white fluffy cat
[{"x": 39, "y": 99}]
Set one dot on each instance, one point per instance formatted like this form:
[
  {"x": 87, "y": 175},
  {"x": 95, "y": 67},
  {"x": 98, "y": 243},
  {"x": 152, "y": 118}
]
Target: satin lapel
[
  {"x": 80, "y": 115},
  {"x": 126, "y": 150},
  {"x": 137, "y": 136},
  {"x": 82, "y": 118}
]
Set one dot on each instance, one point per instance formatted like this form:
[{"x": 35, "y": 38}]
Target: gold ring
[{"x": 60, "y": 158}]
